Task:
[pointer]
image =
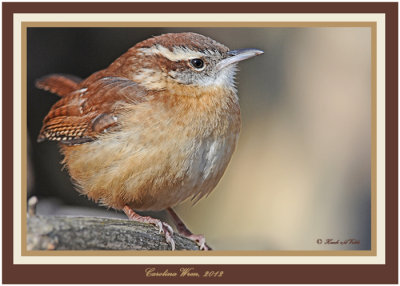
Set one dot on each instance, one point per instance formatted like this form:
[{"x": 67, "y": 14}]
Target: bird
[{"x": 155, "y": 128}]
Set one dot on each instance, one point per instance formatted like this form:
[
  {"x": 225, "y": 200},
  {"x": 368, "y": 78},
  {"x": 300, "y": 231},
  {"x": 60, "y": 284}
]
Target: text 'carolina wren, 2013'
[{"x": 156, "y": 127}]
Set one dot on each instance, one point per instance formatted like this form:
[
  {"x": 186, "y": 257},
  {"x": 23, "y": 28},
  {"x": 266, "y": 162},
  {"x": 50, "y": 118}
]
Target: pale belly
[
  {"x": 191, "y": 171},
  {"x": 205, "y": 167}
]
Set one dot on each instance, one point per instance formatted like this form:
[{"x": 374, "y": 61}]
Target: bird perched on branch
[{"x": 156, "y": 127}]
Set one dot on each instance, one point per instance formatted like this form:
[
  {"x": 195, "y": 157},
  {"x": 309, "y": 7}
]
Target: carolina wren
[{"x": 156, "y": 127}]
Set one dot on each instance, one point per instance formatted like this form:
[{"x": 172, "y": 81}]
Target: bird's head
[{"x": 184, "y": 60}]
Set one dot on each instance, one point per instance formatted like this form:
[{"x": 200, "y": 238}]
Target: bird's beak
[{"x": 237, "y": 56}]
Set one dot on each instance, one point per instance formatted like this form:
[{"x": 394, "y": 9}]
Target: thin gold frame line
[
  {"x": 24, "y": 130},
  {"x": 198, "y": 24},
  {"x": 372, "y": 252},
  {"x": 374, "y": 139},
  {"x": 197, "y": 253}
]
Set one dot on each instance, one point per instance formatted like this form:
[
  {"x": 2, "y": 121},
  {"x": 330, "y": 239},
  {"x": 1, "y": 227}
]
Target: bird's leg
[
  {"x": 162, "y": 226},
  {"x": 183, "y": 230}
]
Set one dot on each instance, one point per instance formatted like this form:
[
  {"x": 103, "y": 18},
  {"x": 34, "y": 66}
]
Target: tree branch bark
[{"x": 91, "y": 233}]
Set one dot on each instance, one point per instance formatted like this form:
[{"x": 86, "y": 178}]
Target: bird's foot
[
  {"x": 167, "y": 230},
  {"x": 163, "y": 227},
  {"x": 199, "y": 239},
  {"x": 184, "y": 231}
]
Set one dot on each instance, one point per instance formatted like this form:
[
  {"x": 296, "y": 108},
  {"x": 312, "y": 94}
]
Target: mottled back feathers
[{"x": 88, "y": 109}]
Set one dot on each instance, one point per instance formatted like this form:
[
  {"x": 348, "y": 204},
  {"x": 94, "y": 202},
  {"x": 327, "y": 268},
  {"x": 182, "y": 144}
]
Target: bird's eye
[{"x": 197, "y": 63}]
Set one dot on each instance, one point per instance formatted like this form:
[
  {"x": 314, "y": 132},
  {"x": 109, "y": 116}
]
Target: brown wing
[
  {"x": 58, "y": 83},
  {"x": 83, "y": 114}
]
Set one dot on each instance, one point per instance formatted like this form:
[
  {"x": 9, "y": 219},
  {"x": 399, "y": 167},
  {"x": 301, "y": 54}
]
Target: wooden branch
[{"x": 90, "y": 233}]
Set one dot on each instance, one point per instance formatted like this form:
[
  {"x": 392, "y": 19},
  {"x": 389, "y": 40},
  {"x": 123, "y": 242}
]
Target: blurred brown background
[{"x": 302, "y": 167}]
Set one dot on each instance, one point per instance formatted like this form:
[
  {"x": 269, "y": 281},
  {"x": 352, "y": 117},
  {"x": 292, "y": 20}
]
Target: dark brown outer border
[{"x": 101, "y": 274}]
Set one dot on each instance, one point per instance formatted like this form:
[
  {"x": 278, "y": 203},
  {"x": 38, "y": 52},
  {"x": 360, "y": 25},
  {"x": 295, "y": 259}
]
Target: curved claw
[
  {"x": 168, "y": 232},
  {"x": 159, "y": 224},
  {"x": 168, "y": 227}
]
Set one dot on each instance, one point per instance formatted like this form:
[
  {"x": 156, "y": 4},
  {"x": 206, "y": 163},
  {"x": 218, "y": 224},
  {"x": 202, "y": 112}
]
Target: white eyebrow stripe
[{"x": 177, "y": 54}]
